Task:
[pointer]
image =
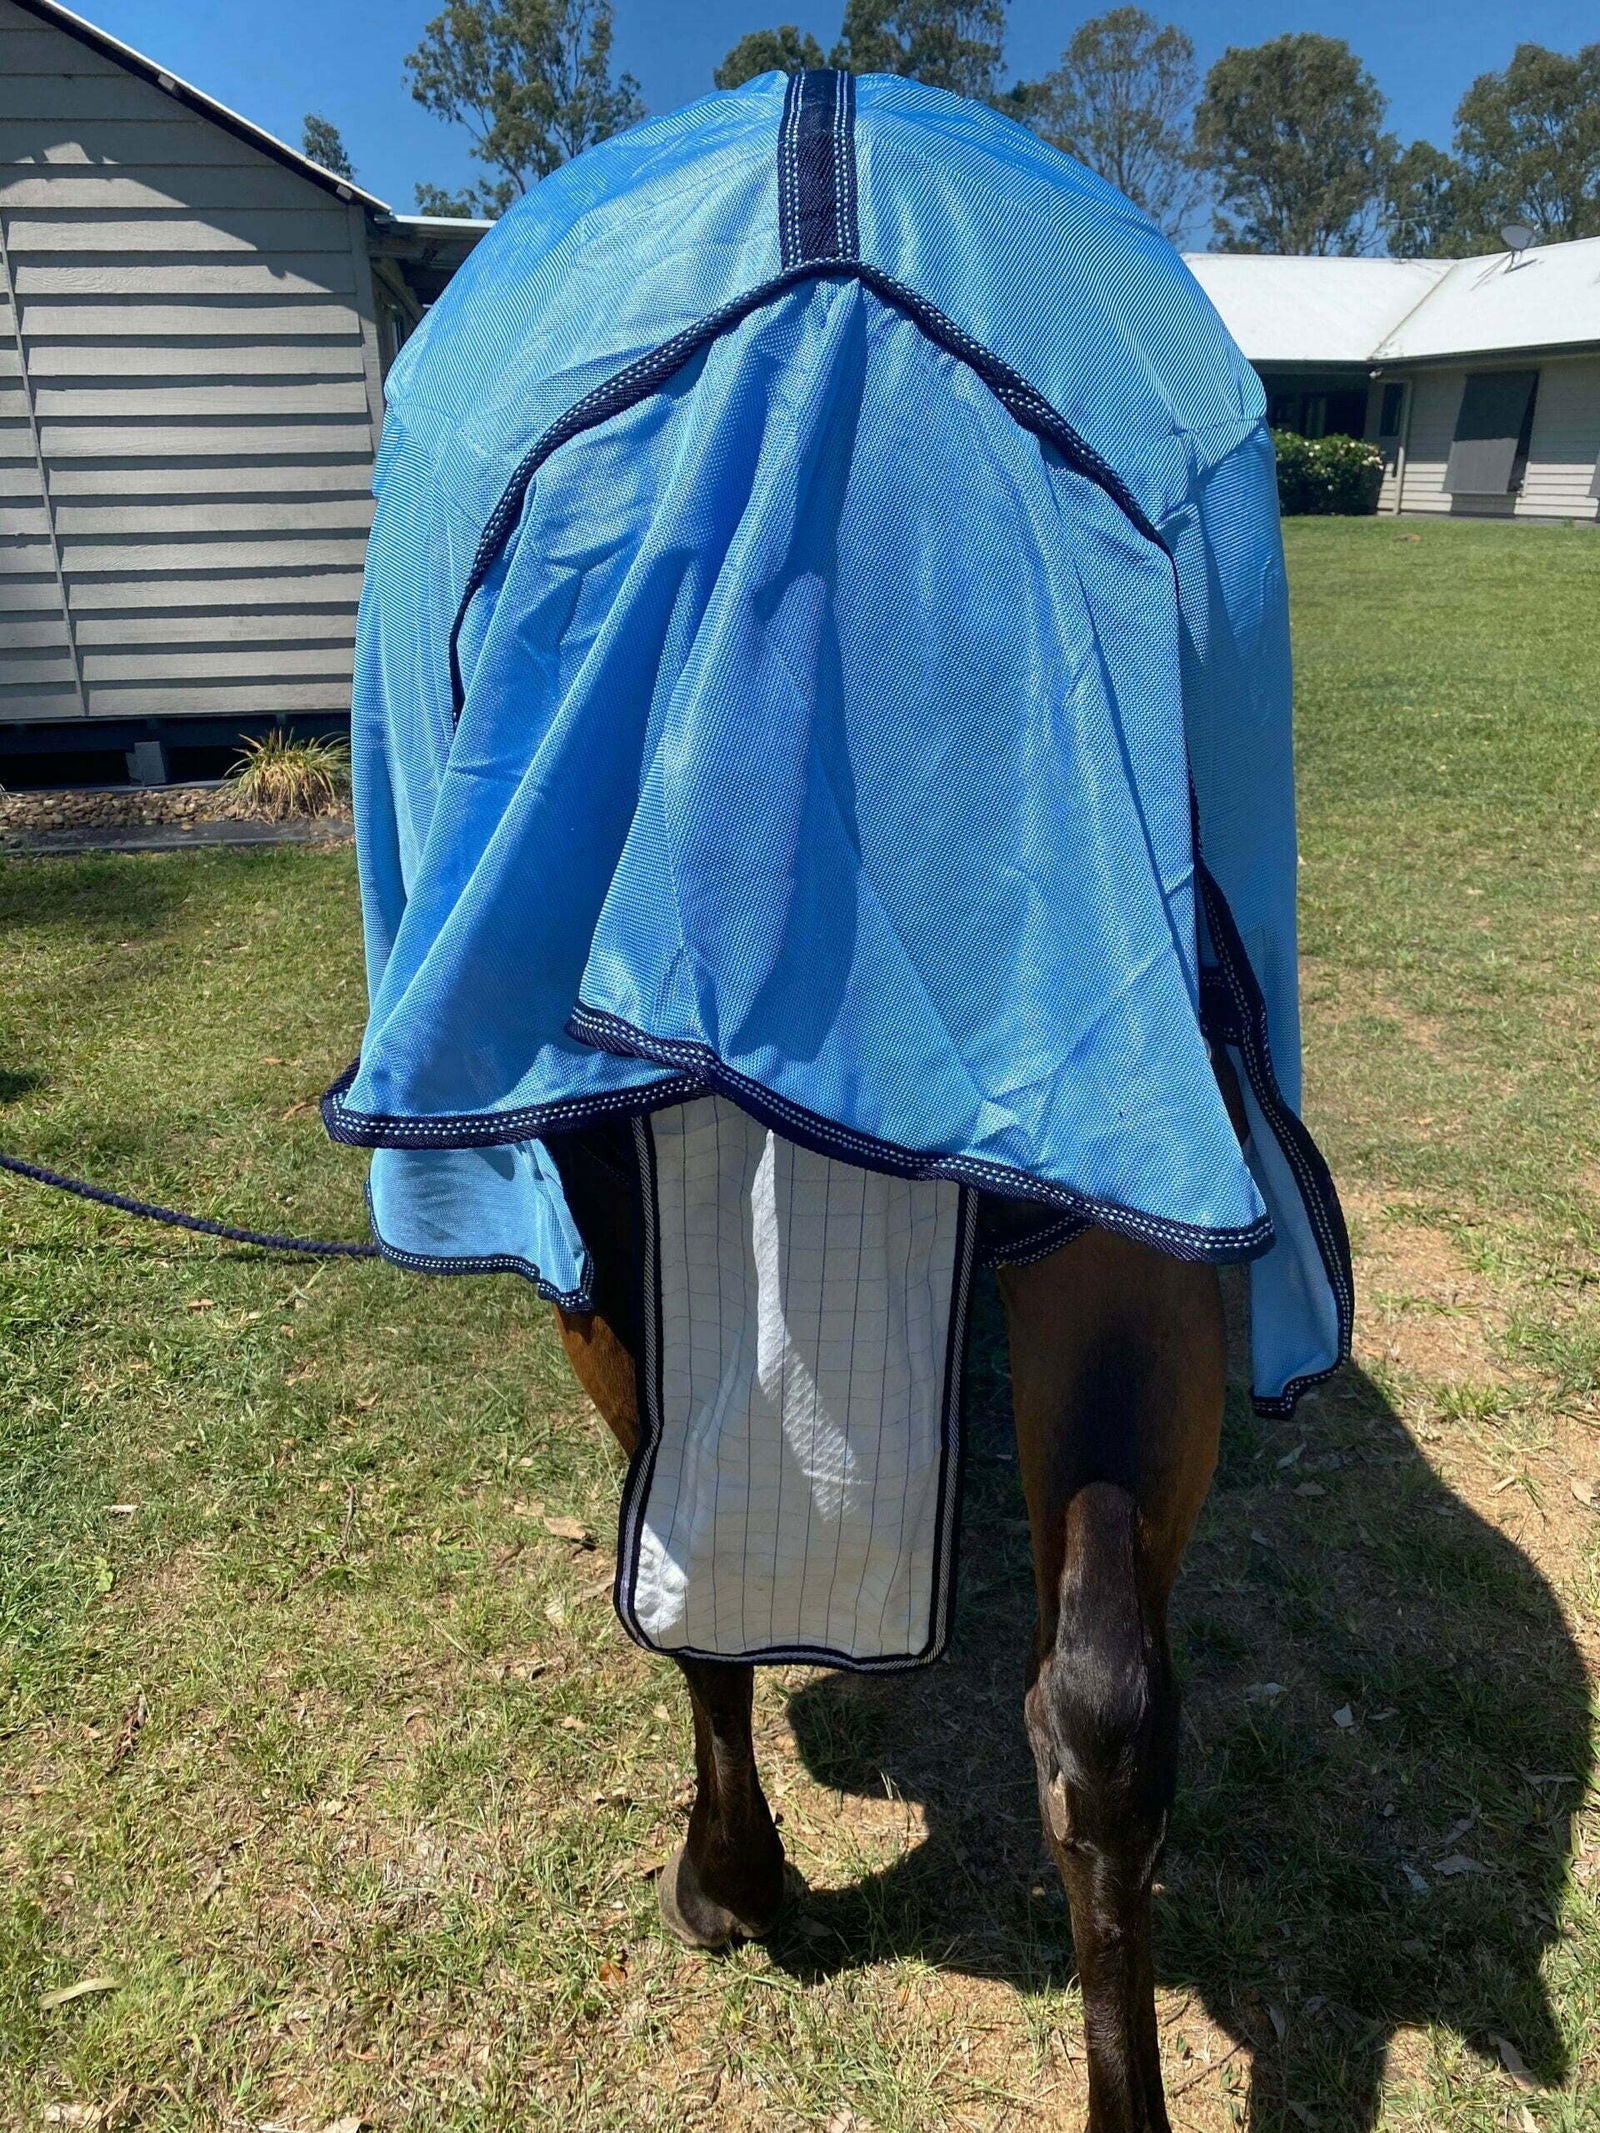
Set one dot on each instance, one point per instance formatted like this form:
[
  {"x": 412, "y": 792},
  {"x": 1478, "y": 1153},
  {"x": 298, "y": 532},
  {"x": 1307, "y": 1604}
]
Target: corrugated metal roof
[
  {"x": 1283, "y": 310},
  {"x": 1548, "y": 298},
  {"x": 1292, "y": 310}
]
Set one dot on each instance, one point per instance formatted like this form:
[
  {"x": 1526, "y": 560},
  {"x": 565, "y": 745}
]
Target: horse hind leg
[
  {"x": 725, "y": 1881},
  {"x": 1118, "y": 1370}
]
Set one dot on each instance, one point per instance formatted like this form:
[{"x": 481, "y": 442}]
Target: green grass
[{"x": 322, "y": 1747}]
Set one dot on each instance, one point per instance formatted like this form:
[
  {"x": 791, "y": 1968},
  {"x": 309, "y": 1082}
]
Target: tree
[
  {"x": 1427, "y": 204},
  {"x": 435, "y": 200},
  {"x": 1529, "y": 140},
  {"x": 1122, "y": 101},
  {"x": 320, "y": 140},
  {"x": 950, "y": 44},
  {"x": 1291, "y": 132},
  {"x": 531, "y": 82},
  {"x": 784, "y": 51}
]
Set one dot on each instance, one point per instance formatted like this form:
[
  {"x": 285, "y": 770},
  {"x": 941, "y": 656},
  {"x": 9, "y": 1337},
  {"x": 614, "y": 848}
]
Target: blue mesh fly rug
[{"x": 822, "y": 716}]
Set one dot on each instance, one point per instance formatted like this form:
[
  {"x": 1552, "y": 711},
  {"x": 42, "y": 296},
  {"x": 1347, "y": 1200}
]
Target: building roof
[
  {"x": 182, "y": 92},
  {"x": 1328, "y": 311},
  {"x": 1548, "y": 297},
  {"x": 1293, "y": 310}
]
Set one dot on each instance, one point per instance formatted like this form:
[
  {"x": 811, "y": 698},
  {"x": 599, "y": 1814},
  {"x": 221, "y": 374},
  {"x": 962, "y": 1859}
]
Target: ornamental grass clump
[{"x": 279, "y": 778}]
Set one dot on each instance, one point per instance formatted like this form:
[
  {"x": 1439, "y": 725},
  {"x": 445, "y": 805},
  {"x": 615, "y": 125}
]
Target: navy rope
[{"x": 268, "y": 1240}]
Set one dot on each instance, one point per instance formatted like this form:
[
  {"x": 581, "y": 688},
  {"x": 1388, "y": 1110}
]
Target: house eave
[{"x": 186, "y": 95}]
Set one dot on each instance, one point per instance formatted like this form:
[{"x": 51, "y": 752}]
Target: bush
[{"x": 1327, "y": 476}]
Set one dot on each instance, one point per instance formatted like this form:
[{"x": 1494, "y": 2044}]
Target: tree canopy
[
  {"x": 951, "y": 44},
  {"x": 785, "y": 50},
  {"x": 1528, "y": 144},
  {"x": 530, "y": 80},
  {"x": 1121, "y": 100},
  {"x": 1291, "y": 132},
  {"x": 321, "y": 140}
]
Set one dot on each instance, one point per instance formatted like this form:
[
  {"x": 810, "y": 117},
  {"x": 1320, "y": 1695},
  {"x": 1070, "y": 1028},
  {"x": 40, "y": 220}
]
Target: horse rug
[{"x": 822, "y": 708}]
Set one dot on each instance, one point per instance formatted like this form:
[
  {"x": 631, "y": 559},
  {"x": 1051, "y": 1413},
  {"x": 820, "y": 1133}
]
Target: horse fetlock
[{"x": 723, "y": 1888}]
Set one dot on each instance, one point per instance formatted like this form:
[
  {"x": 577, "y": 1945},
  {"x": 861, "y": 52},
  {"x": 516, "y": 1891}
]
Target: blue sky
[{"x": 343, "y": 57}]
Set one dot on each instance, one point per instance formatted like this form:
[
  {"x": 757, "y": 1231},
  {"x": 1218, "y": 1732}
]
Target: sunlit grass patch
[{"x": 329, "y": 1753}]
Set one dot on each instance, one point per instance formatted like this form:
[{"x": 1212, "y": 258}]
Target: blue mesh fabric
[{"x": 825, "y": 734}]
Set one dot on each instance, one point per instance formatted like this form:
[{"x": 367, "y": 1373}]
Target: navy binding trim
[
  {"x": 698, "y": 1072},
  {"x": 808, "y": 1129},
  {"x": 1234, "y": 1014},
  {"x": 492, "y": 1129},
  {"x": 641, "y": 1467},
  {"x": 817, "y": 168},
  {"x": 637, "y": 380},
  {"x": 581, "y": 1299}
]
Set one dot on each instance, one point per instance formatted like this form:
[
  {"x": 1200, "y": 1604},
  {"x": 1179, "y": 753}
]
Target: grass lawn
[{"x": 331, "y": 1758}]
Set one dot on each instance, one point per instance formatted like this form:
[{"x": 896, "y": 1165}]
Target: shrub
[
  {"x": 279, "y": 777},
  {"x": 1327, "y": 476}
]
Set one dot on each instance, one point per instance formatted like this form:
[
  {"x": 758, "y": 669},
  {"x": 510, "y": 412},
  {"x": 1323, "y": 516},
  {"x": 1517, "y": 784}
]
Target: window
[
  {"x": 1493, "y": 428},
  {"x": 1391, "y": 410}
]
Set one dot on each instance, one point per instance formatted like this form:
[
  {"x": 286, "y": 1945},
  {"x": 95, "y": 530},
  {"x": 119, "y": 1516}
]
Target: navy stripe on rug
[{"x": 817, "y": 168}]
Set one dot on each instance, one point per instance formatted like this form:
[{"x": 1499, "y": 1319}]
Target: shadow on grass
[
  {"x": 100, "y": 891},
  {"x": 1326, "y": 1884}
]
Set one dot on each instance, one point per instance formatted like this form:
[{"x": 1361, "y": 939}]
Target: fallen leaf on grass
[
  {"x": 347, "y": 2125},
  {"x": 90, "y": 2116},
  {"x": 1586, "y": 1493},
  {"x": 570, "y": 1529},
  {"x": 1344, "y": 1716},
  {"x": 600, "y": 1589},
  {"x": 1513, "y": 2062},
  {"x": 1526, "y": 2122},
  {"x": 1289, "y": 1458},
  {"x": 1311, "y": 1488},
  {"x": 367, "y": 1401},
  {"x": 1263, "y": 1691},
  {"x": 306, "y": 1103},
  {"x": 574, "y": 1725},
  {"x": 122, "y": 1510},
  {"x": 613, "y": 1973},
  {"x": 1414, "y": 1880},
  {"x": 81, "y": 1990},
  {"x": 201, "y": 1303},
  {"x": 1459, "y": 1863}
]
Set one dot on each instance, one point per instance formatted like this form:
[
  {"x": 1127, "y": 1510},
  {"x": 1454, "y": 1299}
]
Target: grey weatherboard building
[
  {"x": 195, "y": 321},
  {"x": 194, "y": 325}
]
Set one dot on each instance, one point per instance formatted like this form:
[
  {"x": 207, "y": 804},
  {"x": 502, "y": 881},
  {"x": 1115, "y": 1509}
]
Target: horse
[
  {"x": 825, "y": 810},
  {"x": 1118, "y": 1375}
]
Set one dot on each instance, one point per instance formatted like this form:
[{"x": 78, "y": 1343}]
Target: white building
[{"x": 1479, "y": 379}]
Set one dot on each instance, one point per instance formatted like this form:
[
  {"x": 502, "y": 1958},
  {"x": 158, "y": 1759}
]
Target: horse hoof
[{"x": 690, "y": 1915}]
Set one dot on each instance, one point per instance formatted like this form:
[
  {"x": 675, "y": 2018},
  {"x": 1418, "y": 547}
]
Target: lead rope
[{"x": 268, "y": 1240}]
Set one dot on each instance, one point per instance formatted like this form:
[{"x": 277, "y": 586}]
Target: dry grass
[{"x": 331, "y": 1756}]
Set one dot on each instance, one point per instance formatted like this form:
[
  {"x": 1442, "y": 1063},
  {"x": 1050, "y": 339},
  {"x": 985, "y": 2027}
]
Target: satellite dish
[{"x": 1517, "y": 236}]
